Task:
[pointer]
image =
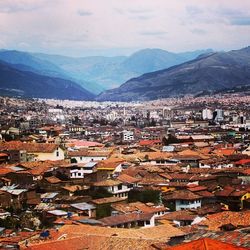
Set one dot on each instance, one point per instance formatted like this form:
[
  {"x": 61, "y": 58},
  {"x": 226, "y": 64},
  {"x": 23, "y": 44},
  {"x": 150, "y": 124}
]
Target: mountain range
[
  {"x": 207, "y": 73},
  {"x": 155, "y": 74},
  {"x": 96, "y": 73},
  {"x": 24, "y": 83},
  {"x": 109, "y": 72}
]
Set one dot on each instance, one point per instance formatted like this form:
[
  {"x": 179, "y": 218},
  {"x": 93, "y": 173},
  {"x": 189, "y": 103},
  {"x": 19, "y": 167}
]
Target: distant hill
[
  {"x": 17, "y": 82},
  {"x": 28, "y": 62},
  {"x": 111, "y": 72},
  {"x": 208, "y": 73}
]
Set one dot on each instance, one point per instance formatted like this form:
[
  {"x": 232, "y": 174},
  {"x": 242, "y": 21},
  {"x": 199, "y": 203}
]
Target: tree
[
  {"x": 99, "y": 193},
  {"x": 144, "y": 196}
]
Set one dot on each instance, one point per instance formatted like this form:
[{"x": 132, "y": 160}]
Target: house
[
  {"x": 48, "y": 197},
  {"x": 80, "y": 144},
  {"x": 127, "y": 136},
  {"x": 39, "y": 151},
  {"x": 85, "y": 156},
  {"x": 84, "y": 208},
  {"x": 115, "y": 187},
  {"x": 77, "y": 170},
  {"x": 216, "y": 220},
  {"x": 17, "y": 196},
  {"x": 233, "y": 197},
  {"x": 109, "y": 168},
  {"x": 139, "y": 207},
  {"x": 129, "y": 220},
  {"x": 181, "y": 218},
  {"x": 181, "y": 200},
  {"x": 5, "y": 199}
]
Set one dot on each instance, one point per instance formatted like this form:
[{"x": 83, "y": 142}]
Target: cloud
[
  {"x": 84, "y": 13},
  {"x": 198, "y": 31},
  {"x": 194, "y": 10},
  {"x": 76, "y": 26},
  {"x": 140, "y": 14},
  {"x": 235, "y": 16},
  {"x": 153, "y": 33},
  {"x": 15, "y": 6},
  {"x": 244, "y": 21}
]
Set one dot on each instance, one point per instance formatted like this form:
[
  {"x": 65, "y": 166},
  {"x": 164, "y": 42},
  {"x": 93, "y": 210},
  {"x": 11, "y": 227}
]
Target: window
[
  {"x": 79, "y": 174},
  {"x": 57, "y": 153},
  {"x": 119, "y": 187},
  {"x": 147, "y": 222}
]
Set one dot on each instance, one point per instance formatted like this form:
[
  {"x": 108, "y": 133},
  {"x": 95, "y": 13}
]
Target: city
[
  {"x": 157, "y": 174},
  {"x": 124, "y": 125}
]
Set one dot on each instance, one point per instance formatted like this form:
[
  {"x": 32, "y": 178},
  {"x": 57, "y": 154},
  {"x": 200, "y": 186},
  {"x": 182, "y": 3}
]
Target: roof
[
  {"x": 107, "y": 183},
  {"x": 82, "y": 143},
  {"x": 88, "y": 153},
  {"x": 224, "y": 151},
  {"x": 158, "y": 155},
  {"x": 215, "y": 221},
  {"x": 138, "y": 207},
  {"x": 108, "y": 200},
  {"x": 74, "y": 188},
  {"x": 127, "y": 178},
  {"x": 29, "y": 147},
  {"x": 109, "y": 164},
  {"x": 125, "y": 218},
  {"x": 97, "y": 237},
  {"x": 181, "y": 195},
  {"x": 148, "y": 142},
  {"x": 14, "y": 191},
  {"x": 179, "y": 216},
  {"x": 82, "y": 206},
  {"x": 243, "y": 162},
  {"x": 57, "y": 212},
  {"x": 53, "y": 180},
  {"x": 49, "y": 195},
  {"x": 3, "y": 155},
  {"x": 205, "y": 244}
]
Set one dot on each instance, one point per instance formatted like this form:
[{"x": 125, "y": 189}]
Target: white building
[
  {"x": 84, "y": 156},
  {"x": 115, "y": 187},
  {"x": 183, "y": 199},
  {"x": 207, "y": 114},
  {"x": 128, "y": 135}
]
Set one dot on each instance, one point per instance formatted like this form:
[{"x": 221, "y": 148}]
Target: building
[
  {"x": 182, "y": 199},
  {"x": 127, "y": 135}
]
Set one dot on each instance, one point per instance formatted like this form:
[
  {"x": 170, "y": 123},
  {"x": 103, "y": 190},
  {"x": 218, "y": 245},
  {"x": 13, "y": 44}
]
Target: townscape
[{"x": 167, "y": 174}]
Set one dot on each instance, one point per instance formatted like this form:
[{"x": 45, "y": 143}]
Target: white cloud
[{"x": 76, "y": 26}]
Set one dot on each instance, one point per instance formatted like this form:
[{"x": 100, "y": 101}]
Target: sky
[{"x": 120, "y": 27}]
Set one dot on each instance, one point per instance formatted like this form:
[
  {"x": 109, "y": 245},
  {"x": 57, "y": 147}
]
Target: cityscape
[{"x": 124, "y": 125}]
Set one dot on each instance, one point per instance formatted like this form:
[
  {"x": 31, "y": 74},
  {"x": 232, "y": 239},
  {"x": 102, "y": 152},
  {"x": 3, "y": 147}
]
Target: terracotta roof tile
[{"x": 205, "y": 244}]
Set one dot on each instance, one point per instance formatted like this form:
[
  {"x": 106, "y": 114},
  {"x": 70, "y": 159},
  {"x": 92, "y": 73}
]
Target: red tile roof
[
  {"x": 181, "y": 195},
  {"x": 127, "y": 178},
  {"x": 125, "y": 218},
  {"x": 243, "y": 162},
  {"x": 29, "y": 147},
  {"x": 215, "y": 221},
  {"x": 149, "y": 142},
  {"x": 205, "y": 244}
]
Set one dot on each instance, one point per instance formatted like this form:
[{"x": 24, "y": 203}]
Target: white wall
[
  {"x": 50, "y": 156},
  {"x": 190, "y": 204},
  {"x": 86, "y": 159}
]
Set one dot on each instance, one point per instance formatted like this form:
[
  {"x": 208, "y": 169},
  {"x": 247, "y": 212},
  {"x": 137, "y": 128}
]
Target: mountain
[
  {"x": 208, "y": 73},
  {"x": 15, "y": 82},
  {"x": 28, "y": 62},
  {"x": 111, "y": 72}
]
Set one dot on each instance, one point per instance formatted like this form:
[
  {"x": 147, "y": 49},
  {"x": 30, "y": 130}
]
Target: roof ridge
[{"x": 206, "y": 247}]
